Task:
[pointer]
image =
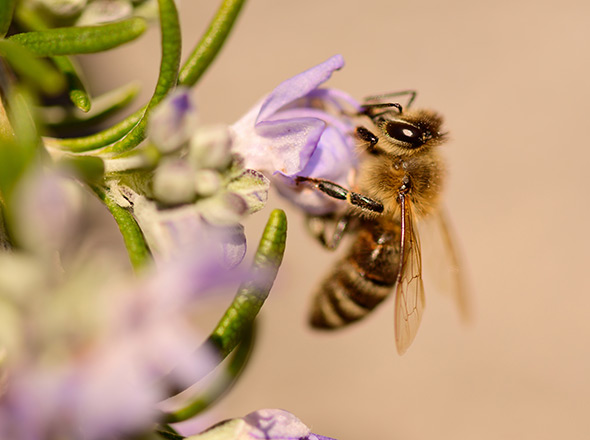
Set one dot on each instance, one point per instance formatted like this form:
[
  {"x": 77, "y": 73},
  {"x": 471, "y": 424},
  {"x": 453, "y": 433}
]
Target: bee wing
[
  {"x": 409, "y": 298},
  {"x": 442, "y": 255}
]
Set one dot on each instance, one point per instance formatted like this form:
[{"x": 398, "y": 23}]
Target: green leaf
[
  {"x": 137, "y": 248},
  {"x": 103, "y": 107},
  {"x": 38, "y": 72},
  {"x": 13, "y": 163},
  {"x": 210, "y": 43},
  {"x": 171, "y": 52},
  {"x": 29, "y": 19},
  {"x": 252, "y": 293},
  {"x": 21, "y": 120},
  {"x": 19, "y": 144},
  {"x": 83, "y": 39},
  {"x": 98, "y": 140},
  {"x": 77, "y": 92},
  {"x": 220, "y": 385},
  {"x": 6, "y": 11}
]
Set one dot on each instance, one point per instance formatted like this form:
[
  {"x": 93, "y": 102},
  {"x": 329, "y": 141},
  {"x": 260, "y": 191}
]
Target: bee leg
[
  {"x": 412, "y": 94},
  {"x": 317, "y": 226},
  {"x": 366, "y": 136},
  {"x": 336, "y": 191},
  {"x": 370, "y": 109}
]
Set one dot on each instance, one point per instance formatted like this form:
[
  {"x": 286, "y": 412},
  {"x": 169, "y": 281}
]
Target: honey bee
[{"x": 398, "y": 184}]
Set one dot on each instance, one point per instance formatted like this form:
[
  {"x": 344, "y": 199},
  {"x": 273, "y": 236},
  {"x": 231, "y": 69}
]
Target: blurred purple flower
[
  {"x": 90, "y": 366},
  {"x": 300, "y": 129},
  {"x": 174, "y": 234},
  {"x": 47, "y": 211},
  {"x": 83, "y": 352},
  {"x": 267, "y": 424}
]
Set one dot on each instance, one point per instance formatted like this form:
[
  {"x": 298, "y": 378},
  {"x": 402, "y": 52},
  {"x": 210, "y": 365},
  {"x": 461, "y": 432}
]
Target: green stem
[
  {"x": 211, "y": 42},
  {"x": 137, "y": 248}
]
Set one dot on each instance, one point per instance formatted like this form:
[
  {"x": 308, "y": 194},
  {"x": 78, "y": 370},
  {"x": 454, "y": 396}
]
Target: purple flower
[
  {"x": 267, "y": 424},
  {"x": 300, "y": 129}
]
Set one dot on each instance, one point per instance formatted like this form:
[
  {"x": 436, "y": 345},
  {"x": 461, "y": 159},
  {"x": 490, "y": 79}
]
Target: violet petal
[
  {"x": 294, "y": 141},
  {"x": 299, "y": 86}
]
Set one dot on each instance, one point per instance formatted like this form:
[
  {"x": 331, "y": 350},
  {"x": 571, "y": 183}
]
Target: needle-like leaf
[
  {"x": 83, "y": 39},
  {"x": 210, "y": 43}
]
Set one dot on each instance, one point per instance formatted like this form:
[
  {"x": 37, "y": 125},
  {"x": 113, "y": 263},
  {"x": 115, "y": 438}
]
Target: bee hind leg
[
  {"x": 336, "y": 191},
  {"x": 317, "y": 226}
]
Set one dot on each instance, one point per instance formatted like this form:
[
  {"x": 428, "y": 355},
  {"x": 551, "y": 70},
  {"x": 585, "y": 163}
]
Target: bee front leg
[
  {"x": 338, "y": 192},
  {"x": 380, "y": 98},
  {"x": 367, "y": 136},
  {"x": 373, "y": 111}
]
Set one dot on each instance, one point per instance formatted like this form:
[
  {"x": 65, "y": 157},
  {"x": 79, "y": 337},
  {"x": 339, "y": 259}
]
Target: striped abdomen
[{"x": 362, "y": 279}]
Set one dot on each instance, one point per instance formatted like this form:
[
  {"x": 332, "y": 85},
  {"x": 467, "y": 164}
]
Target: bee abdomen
[
  {"x": 347, "y": 296},
  {"x": 361, "y": 280}
]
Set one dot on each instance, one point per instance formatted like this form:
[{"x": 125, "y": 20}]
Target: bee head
[{"x": 411, "y": 130}]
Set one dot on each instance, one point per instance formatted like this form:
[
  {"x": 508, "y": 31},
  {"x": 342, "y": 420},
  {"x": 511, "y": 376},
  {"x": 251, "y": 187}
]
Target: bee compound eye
[{"x": 404, "y": 132}]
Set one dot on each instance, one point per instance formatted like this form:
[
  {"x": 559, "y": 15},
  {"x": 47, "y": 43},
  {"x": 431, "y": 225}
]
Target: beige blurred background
[{"x": 513, "y": 81}]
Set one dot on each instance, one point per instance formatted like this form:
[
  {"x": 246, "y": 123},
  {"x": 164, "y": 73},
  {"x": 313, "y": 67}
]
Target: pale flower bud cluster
[
  {"x": 198, "y": 166},
  {"x": 93, "y": 12},
  {"x": 198, "y": 187}
]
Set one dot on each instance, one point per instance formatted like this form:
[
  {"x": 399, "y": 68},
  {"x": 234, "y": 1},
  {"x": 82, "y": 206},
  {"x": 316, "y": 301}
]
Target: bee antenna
[
  {"x": 398, "y": 107},
  {"x": 368, "y": 109}
]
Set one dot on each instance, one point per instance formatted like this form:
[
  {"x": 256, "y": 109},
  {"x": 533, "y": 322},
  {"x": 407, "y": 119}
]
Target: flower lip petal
[
  {"x": 293, "y": 142},
  {"x": 298, "y": 86}
]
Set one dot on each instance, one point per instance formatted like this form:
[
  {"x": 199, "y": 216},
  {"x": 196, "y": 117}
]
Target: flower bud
[
  {"x": 174, "y": 182},
  {"x": 253, "y": 187},
  {"x": 207, "y": 182},
  {"x": 173, "y": 121},
  {"x": 210, "y": 147},
  {"x": 105, "y": 11},
  {"x": 61, "y": 8},
  {"x": 223, "y": 209}
]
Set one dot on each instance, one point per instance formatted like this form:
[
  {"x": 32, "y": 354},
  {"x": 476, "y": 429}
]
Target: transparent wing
[
  {"x": 409, "y": 298},
  {"x": 443, "y": 261}
]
